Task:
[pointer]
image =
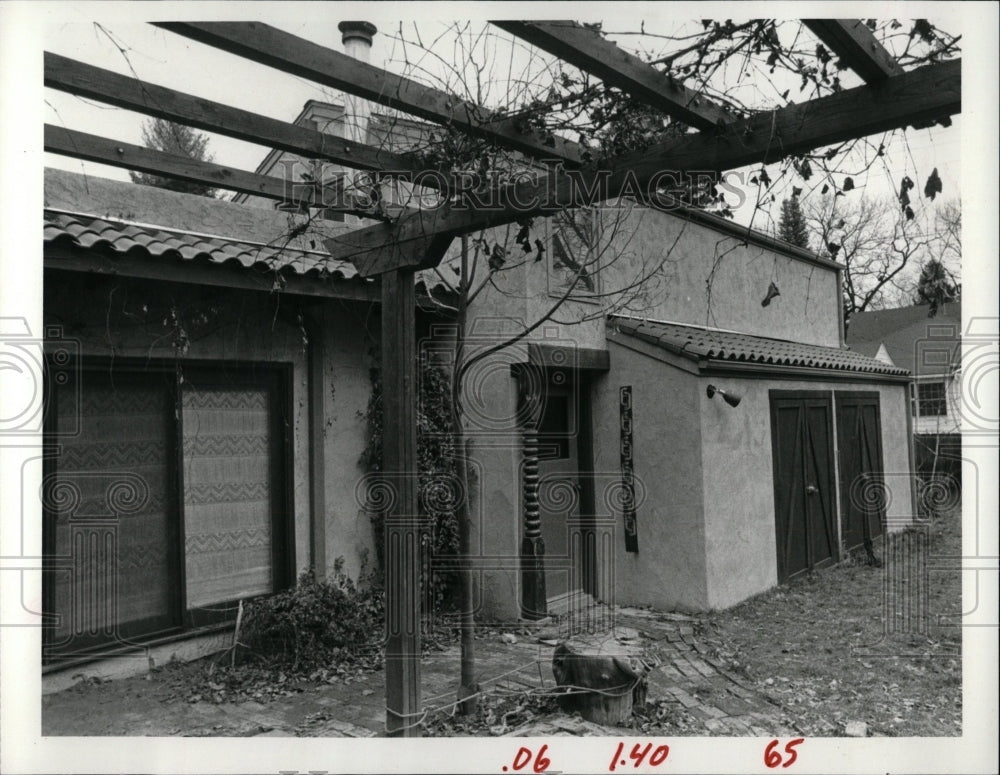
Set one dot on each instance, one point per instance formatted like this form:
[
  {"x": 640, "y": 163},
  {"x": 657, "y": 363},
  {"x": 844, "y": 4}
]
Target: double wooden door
[
  {"x": 859, "y": 446},
  {"x": 803, "y": 463},
  {"x": 805, "y": 498}
]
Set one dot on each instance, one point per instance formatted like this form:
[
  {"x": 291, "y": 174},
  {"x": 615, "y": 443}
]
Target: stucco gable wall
[{"x": 702, "y": 275}]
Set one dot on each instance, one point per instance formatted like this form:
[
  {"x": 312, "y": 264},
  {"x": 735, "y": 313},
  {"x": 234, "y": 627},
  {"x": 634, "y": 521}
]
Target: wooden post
[
  {"x": 533, "y": 598},
  {"x": 402, "y": 526}
]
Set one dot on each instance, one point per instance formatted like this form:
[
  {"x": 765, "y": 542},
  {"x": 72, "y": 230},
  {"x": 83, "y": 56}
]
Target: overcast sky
[
  {"x": 116, "y": 36},
  {"x": 123, "y": 43}
]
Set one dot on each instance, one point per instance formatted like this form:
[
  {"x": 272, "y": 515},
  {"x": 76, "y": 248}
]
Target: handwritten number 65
[{"x": 772, "y": 758}]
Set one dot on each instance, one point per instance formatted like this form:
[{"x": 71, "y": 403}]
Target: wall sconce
[{"x": 730, "y": 398}]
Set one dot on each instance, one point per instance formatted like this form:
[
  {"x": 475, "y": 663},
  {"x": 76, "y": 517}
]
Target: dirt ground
[
  {"x": 819, "y": 646},
  {"x": 820, "y": 656}
]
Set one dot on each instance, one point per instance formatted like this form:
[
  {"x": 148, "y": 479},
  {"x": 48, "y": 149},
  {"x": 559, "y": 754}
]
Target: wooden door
[
  {"x": 802, "y": 458},
  {"x": 859, "y": 445},
  {"x": 559, "y": 489}
]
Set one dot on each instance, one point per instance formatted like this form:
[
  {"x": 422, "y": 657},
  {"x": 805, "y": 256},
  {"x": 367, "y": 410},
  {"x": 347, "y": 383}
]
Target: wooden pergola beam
[
  {"x": 588, "y": 50},
  {"x": 291, "y": 54},
  {"x": 927, "y": 93},
  {"x": 80, "y": 145},
  {"x": 105, "y": 86},
  {"x": 855, "y": 44}
]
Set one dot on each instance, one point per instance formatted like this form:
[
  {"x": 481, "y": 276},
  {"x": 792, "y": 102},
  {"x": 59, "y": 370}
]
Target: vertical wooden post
[
  {"x": 533, "y": 598},
  {"x": 402, "y": 527}
]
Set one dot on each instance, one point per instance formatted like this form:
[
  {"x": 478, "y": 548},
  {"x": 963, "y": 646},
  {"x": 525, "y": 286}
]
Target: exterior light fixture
[{"x": 730, "y": 398}]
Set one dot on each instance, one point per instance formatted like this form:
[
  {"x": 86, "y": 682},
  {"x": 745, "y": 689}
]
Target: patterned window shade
[
  {"x": 110, "y": 508},
  {"x": 227, "y": 494}
]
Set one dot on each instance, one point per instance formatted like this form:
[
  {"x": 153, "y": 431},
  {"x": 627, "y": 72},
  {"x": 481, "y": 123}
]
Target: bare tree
[{"x": 874, "y": 241}]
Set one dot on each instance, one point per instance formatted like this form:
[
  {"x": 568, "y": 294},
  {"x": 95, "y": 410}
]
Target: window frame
[
  {"x": 553, "y": 230},
  {"x": 922, "y": 401},
  {"x": 276, "y": 377}
]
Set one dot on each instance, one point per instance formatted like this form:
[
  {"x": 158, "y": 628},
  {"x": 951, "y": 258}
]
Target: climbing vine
[{"x": 437, "y": 496}]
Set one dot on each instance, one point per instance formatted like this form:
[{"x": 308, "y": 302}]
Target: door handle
[{"x": 812, "y": 489}]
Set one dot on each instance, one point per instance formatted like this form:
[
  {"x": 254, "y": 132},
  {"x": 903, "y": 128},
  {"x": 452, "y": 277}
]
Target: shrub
[{"x": 316, "y": 623}]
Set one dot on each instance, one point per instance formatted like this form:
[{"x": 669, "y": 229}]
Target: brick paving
[
  {"x": 693, "y": 690},
  {"x": 689, "y": 692}
]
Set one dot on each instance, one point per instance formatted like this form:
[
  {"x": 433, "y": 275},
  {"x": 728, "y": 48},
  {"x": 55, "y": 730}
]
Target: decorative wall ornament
[{"x": 628, "y": 471}]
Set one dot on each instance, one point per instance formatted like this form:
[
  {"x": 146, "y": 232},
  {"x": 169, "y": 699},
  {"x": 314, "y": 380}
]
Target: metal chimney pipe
[
  {"x": 357, "y": 42},
  {"x": 357, "y": 38}
]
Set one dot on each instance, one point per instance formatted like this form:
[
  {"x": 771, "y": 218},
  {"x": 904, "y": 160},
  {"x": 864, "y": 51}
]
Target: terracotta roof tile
[
  {"x": 699, "y": 343},
  {"x": 91, "y": 232},
  {"x": 126, "y": 218}
]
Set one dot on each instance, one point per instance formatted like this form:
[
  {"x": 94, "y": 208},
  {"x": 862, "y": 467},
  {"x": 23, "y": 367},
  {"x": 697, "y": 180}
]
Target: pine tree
[
  {"x": 792, "y": 223},
  {"x": 180, "y": 140},
  {"x": 935, "y": 286}
]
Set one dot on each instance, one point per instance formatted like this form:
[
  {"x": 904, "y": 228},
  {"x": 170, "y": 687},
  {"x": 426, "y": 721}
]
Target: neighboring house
[
  {"x": 387, "y": 131},
  {"x": 931, "y": 349}
]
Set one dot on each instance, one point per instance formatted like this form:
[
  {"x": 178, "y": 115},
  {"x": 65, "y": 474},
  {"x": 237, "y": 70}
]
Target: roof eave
[{"x": 764, "y": 370}]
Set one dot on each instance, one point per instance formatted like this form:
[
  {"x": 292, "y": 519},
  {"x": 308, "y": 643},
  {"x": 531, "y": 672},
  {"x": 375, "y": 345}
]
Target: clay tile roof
[
  {"x": 153, "y": 223},
  {"x": 92, "y": 232},
  {"x": 698, "y": 343}
]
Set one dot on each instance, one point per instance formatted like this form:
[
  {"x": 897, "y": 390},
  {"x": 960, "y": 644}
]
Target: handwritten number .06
[
  {"x": 523, "y": 757},
  {"x": 772, "y": 758},
  {"x": 637, "y": 755}
]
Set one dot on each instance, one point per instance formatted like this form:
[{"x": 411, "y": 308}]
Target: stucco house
[
  {"x": 930, "y": 348},
  {"x": 683, "y": 428},
  {"x": 690, "y": 448}
]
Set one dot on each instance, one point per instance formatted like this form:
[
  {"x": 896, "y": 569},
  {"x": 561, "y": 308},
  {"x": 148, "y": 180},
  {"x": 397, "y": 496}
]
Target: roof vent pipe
[
  {"x": 357, "y": 38},
  {"x": 357, "y": 41}
]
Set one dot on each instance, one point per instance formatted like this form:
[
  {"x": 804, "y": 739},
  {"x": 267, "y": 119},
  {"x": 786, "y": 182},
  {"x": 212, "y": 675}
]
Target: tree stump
[{"x": 605, "y": 674}]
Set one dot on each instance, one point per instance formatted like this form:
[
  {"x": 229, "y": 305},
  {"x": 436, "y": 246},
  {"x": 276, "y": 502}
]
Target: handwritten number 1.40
[{"x": 638, "y": 754}]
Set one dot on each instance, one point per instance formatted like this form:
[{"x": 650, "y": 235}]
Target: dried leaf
[{"x": 933, "y": 186}]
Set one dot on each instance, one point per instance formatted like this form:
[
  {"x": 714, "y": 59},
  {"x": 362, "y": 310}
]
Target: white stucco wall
[
  {"x": 702, "y": 276},
  {"x": 347, "y": 361},
  {"x": 668, "y": 571},
  {"x": 738, "y": 486}
]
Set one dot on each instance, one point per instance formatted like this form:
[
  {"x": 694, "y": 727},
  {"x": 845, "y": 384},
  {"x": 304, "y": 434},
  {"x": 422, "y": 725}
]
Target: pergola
[{"x": 395, "y": 249}]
